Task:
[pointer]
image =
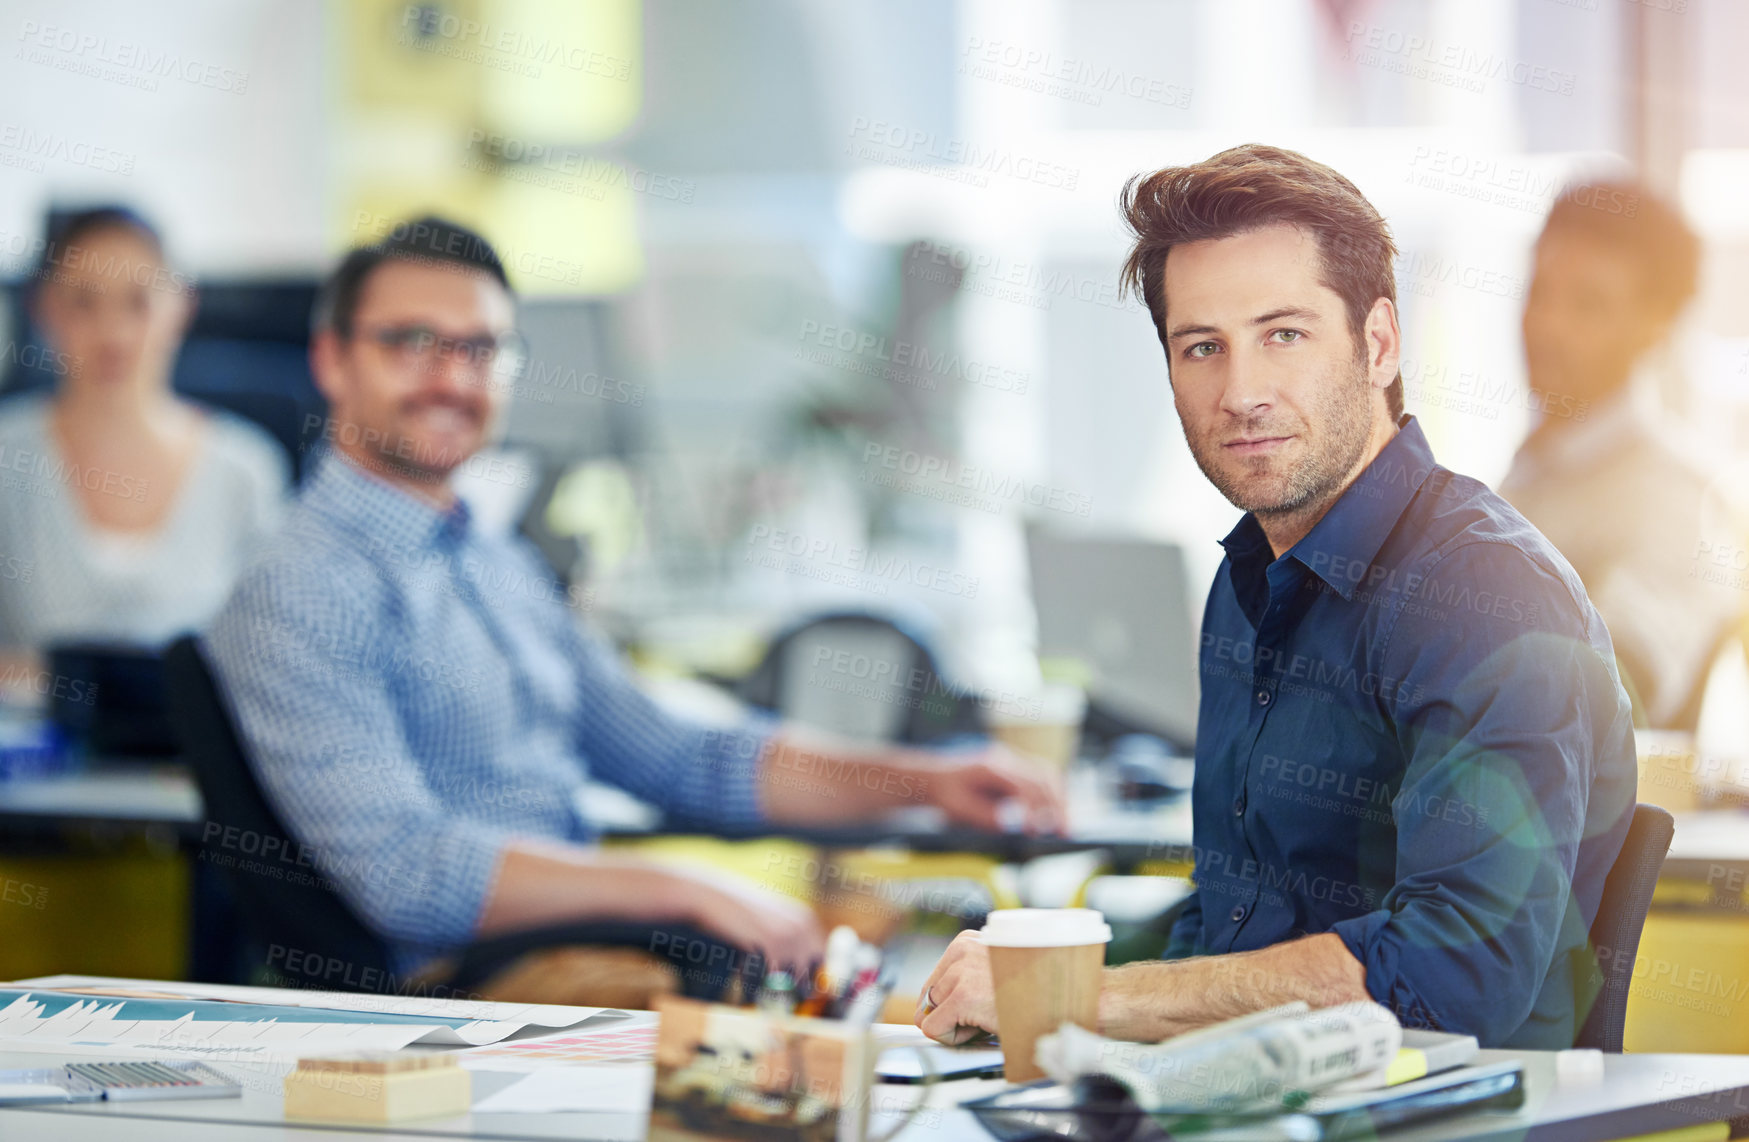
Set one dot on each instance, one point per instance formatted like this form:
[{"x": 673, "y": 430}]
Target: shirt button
[
  {"x": 1239, "y": 806},
  {"x": 1263, "y": 697},
  {"x": 1238, "y": 913}
]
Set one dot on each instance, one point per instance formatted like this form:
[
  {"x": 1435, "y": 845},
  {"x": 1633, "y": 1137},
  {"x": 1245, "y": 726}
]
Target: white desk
[
  {"x": 162, "y": 795},
  {"x": 1639, "y": 1094},
  {"x": 1710, "y": 845},
  {"x": 166, "y": 795}
]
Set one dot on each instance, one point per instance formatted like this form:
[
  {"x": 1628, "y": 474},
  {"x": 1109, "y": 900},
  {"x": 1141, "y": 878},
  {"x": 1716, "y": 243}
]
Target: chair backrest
[
  {"x": 284, "y": 897},
  {"x": 119, "y": 711},
  {"x": 1621, "y": 916},
  {"x": 861, "y": 675}
]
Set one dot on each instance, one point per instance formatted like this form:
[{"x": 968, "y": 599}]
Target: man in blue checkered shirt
[{"x": 421, "y": 706}]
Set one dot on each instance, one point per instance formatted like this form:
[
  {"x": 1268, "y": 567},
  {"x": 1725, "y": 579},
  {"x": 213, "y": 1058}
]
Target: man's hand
[
  {"x": 973, "y": 789},
  {"x": 959, "y": 1000},
  {"x": 804, "y": 779},
  {"x": 784, "y": 931},
  {"x": 541, "y": 883}
]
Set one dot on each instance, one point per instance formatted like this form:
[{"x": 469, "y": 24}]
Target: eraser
[
  {"x": 388, "y": 1087},
  {"x": 1582, "y": 1064},
  {"x": 378, "y": 1062}
]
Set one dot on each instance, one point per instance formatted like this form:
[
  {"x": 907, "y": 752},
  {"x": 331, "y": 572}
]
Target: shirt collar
[
  {"x": 1340, "y": 547},
  {"x": 1246, "y": 544},
  {"x": 1249, "y": 557},
  {"x": 386, "y": 515},
  {"x": 1345, "y": 541}
]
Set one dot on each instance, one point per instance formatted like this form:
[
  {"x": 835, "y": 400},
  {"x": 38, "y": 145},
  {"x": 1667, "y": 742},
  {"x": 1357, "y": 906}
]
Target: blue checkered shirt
[{"x": 414, "y": 694}]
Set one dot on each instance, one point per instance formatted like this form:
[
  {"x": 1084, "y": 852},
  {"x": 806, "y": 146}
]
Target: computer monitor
[{"x": 1120, "y": 607}]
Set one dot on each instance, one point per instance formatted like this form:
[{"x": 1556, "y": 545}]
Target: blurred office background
[
  {"x": 727, "y": 218},
  {"x": 821, "y": 294}
]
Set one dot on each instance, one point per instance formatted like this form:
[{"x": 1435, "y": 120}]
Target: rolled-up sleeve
[
  {"x": 696, "y": 772},
  {"x": 1498, "y": 674},
  {"x": 293, "y": 656}
]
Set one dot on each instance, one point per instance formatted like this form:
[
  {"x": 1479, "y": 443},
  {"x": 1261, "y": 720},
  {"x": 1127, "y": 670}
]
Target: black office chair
[
  {"x": 305, "y": 930},
  {"x": 1621, "y": 916},
  {"x": 862, "y": 675},
  {"x": 113, "y": 706}
]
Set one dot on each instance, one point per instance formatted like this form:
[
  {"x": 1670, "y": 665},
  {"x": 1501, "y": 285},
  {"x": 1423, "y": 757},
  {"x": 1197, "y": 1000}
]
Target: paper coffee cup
[
  {"x": 1046, "y": 964},
  {"x": 1045, "y": 723}
]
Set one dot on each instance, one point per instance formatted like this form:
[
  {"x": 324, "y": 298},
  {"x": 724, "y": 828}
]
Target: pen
[{"x": 865, "y": 1006}]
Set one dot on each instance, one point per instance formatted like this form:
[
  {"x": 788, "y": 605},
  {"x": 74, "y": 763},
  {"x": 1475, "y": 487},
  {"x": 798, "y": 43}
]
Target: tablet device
[{"x": 903, "y": 1066}]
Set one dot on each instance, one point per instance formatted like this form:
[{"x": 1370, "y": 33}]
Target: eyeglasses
[{"x": 501, "y": 356}]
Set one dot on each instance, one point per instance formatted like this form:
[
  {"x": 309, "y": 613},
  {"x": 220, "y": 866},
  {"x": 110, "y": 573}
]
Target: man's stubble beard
[
  {"x": 401, "y": 466},
  {"x": 400, "y": 456},
  {"x": 1343, "y": 412},
  {"x": 401, "y": 453}
]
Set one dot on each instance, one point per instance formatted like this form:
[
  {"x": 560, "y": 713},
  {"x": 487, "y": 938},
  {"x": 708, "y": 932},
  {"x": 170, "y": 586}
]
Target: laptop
[{"x": 1120, "y": 607}]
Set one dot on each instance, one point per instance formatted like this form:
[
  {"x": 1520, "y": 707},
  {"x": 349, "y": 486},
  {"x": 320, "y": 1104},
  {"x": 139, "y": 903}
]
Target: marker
[{"x": 778, "y": 996}]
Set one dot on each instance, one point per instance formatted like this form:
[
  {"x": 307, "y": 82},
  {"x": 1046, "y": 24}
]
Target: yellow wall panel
[
  {"x": 401, "y": 54},
  {"x": 569, "y": 228},
  {"x": 579, "y": 77},
  {"x": 1691, "y": 984},
  {"x": 112, "y": 914}
]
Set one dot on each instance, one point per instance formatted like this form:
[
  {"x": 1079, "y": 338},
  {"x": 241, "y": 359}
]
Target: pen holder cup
[{"x": 733, "y": 1071}]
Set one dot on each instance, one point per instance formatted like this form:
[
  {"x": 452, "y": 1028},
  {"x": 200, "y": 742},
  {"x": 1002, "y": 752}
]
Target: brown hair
[
  {"x": 1641, "y": 227},
  {"x": 1249, "y": 187}
]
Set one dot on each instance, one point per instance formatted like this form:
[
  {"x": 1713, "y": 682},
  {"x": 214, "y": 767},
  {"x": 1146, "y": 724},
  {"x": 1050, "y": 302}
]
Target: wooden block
[
  {"x": 379, "y": 1062},
  {"x": 353, "y": 1095}
]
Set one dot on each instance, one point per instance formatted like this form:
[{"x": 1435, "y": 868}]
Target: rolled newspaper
[{"x": 1266, "y": 1061}]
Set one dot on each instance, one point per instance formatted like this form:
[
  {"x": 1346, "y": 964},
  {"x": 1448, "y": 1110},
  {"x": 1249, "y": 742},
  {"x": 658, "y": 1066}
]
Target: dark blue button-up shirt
[{"x": 1412, "y": 735}]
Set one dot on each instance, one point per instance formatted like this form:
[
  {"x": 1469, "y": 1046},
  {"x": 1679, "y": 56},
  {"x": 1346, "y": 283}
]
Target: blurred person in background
[
  {"x": 423, "y": 708},
  {"x": 1631, "y": 498},
  {"x": 133, "y": 509}
]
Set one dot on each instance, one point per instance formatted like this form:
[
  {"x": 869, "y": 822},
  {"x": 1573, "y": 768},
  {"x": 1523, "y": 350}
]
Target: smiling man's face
[
  {"x": 1279, "y": 405},
  {"x": 406, "y": 415}
]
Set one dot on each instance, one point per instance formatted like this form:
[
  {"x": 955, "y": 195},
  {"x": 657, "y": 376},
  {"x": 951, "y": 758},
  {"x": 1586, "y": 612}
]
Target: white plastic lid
[{"x": 1045, "y": 928}]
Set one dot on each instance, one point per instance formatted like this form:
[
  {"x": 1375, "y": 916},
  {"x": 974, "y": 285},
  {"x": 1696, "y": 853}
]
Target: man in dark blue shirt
[{"x": 1414, "y": 758}]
